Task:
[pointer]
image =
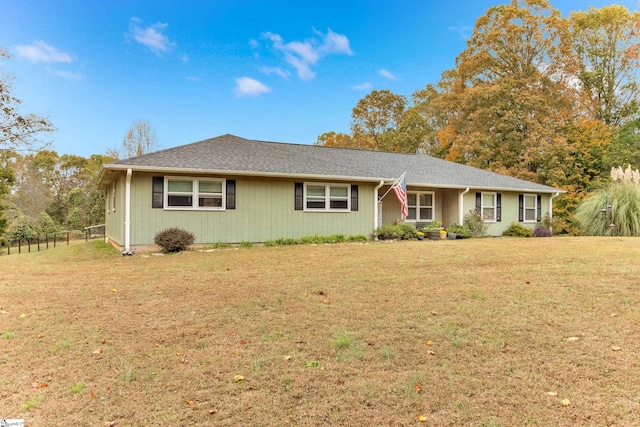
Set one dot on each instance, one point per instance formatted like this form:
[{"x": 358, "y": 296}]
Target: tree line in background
[
  {"x": 534, "y": 95},
  {"x": 42, "y": 192}
]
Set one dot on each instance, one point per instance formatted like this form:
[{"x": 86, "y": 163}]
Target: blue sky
[{"x": 271, "y": 70}]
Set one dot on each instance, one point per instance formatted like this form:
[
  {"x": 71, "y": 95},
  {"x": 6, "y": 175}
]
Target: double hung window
[
  {"x": 194, "y": 193},
  {"x": 326, "y": 197}
]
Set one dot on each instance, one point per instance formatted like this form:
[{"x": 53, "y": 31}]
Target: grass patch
[
  {"x": 76, "y": 388},
  {"x": 33, "y": 402},
  {"x": 326, "y": 334}
]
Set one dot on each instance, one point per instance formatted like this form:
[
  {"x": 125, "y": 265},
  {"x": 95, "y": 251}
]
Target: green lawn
[{"x": 480, "y": 332}]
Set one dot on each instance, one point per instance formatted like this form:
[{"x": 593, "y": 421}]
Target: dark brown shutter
[
  {"x": 521, "y": 207},
  {"x": 539, "y": 210},
  {"x": 499, "y": 207},
  {"x": 479, "y": 202},
  {"x": 299, "y": 196},
  {"x": 157, "y": 197},
  {"x": 231, "y": 194},
  {"x": 354, "y": 197}
]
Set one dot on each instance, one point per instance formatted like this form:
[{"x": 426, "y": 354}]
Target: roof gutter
[
  {"x": 127, "y": 214},
  {"x": 553, "y": 196},
  {"x": 461, "y": 206},
  {"x": 375, "y": 207}
]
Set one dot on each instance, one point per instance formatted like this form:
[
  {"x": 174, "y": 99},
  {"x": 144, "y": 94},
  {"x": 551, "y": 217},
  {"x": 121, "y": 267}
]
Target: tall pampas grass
[{"x": 614, "y": 209}]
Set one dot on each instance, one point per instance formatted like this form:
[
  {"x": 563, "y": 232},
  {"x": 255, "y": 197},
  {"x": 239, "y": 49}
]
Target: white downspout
[
  {"x": 375, "y": 207},
  {"x": 553, "y": 196},
  {"x": 461, "y": 206},
  {"x": 127, "y": 215}
]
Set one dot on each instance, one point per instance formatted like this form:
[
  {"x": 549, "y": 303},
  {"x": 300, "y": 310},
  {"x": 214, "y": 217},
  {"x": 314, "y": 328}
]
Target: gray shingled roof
[{"x": 230, "y": 154}]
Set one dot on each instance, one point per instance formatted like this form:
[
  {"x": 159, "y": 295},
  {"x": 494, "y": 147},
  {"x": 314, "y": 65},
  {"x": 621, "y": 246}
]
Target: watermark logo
[{"x": 11, "y": 423}]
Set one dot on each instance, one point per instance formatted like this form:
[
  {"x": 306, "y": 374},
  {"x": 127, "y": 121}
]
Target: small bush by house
[
  {"x": 517, "y": 230},
  {"x": 174, "y": 239}
]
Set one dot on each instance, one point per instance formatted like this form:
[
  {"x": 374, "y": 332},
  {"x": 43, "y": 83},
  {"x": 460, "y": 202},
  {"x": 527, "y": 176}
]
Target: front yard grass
[{"x": 478, "y": 332}]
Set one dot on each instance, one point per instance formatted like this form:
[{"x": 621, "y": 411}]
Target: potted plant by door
[
  {"x": 420, "y": 235},
  {"x": 432, "y": 230}
]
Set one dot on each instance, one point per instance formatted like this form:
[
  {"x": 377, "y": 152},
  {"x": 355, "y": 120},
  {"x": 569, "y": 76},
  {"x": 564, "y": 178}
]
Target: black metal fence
[{"x": 38, "y": 243}]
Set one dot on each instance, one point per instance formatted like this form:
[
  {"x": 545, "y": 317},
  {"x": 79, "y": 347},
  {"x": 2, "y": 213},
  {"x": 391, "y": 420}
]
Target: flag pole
[{"x": 393, "y": 185}]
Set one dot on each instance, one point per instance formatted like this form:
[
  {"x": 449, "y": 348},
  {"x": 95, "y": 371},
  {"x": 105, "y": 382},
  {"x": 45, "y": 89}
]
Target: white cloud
[
  {"x": 387, "y": 74},
  {"x": 67, "y": 75},
  {"x": 276, "y": 70},
  {"x": 464, "y": 32},
  {"x": 363, "y": 86},
  {"x": 335, "y": 43},
  {"x": 302, "y": 55},
  {"x": 151, "y": 36},
  {"x": 40, "y": 51},
  {"x": 185, "y": 58},
  {"x": 246, "y": 86}
]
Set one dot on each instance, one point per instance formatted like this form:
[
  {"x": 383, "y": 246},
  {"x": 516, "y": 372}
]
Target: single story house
[{"x": 231, "y": 189}]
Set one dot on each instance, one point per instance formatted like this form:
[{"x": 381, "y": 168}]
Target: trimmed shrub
[
  {"x": 396, "y": 231},
  {"x": 517, "y": 230},
  {"x": 542, "y": 231},
  {"x": 462, "y": 232},
  {"x": 174, "y": 239}
]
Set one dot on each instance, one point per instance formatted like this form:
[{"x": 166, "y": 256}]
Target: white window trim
[
  {"x": 525, "y": 208},
  {"x": 418, "y": 207},
  {"x": 327, "y": 197},
  {"x": 194, "y": 199},
  {"x": 494, "y": 207}
]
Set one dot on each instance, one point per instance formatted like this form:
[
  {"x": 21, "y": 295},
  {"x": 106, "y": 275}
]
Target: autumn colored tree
[
  {"x": 333, "y": 139},
  {"x": 607, "y": 42},
  {"x": 376, "y": 117},
  {"x": 508, "y": 102}
]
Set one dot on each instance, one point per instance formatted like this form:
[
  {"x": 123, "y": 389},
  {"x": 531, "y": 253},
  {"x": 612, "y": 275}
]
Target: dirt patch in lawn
[{"x": 473, "y": 332}]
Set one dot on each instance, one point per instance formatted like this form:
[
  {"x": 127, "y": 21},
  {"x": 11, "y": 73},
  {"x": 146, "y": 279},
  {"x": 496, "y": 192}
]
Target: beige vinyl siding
[
  {"x": 264, "y": 211},
  {"x": 391, "y": 212}
]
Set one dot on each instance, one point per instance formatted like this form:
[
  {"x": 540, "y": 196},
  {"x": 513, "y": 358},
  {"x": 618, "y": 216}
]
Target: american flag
[{"x": 400, "y": 188}]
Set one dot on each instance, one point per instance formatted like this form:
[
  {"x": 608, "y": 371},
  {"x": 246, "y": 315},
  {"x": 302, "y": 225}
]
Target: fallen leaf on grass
[
  {"x": 431, "y": 352},
  {"x": 109, "y": 423},
  {"x": 3, "y": 312},
  {"x": 552, "y": 393},
  {"x": 98, "y": 351},
  {"x": 287, "y": 357},
  {"x": 212, "y": 411},
  {"x": 615, "y": 348},
  {"x": 39, "y": 385},
  {"x": 434, "y": 313},
  {"x": 418, "y": 388},
  {"x": 428, "y": 342},
  {"x": 23, "y": 315},
  {"x": 422, "y": 418},
  {"x": 566, "y": 402},
  {"x": 243, "y": 342},
  {"x": 573, "y": 339},
  {"x": 613, "y": 314},
  {"x": 104, "y": 342},
  {"x": 327, "y": 301},
  {"x": 40, "y": 336},
  {"x": 189, "y": 402},
  {"x": 238, "y": 378},
  {"x": 114, "y": 290}
]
